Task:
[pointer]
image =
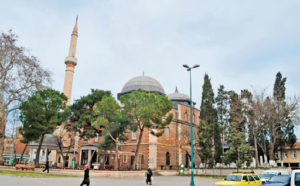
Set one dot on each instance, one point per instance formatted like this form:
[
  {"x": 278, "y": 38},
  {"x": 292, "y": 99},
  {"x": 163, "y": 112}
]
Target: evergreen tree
[
  {"x": 113, "y": 122},
  {"x": 146, "y": 111},
  {"x": 205, "y": 143},
  {"x": 41, "y": 113},
  {"x": 281, "y": 127},
  {"x": 222, "y": 103},
  {"x": 83, "y": 115},
  {"x": 209, "y": 115},
  {"x": 240, "y": 151},
  {"x": 279, "y": 87}
]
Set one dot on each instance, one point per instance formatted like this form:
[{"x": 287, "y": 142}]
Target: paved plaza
[{"x": 102, "y": 181}]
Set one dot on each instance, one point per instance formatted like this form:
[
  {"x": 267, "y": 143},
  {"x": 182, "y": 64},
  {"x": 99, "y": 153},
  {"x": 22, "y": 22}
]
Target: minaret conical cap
[{"x": 75, "y": 29}]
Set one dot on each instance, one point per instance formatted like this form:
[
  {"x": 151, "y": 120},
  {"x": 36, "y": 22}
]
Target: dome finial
[{"x": 176, "y": 90}]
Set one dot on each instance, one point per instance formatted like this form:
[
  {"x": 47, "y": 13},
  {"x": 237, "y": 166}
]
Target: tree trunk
[
  {"x": 2, "y": 132},
  {"x": 271, "y": 153},
  {"x": 116, "y": 167},
  {"x": 135, "y": 160},
  {"x": 238, "y": 162},
  {"x": 15, "y": 152},
  {"x": 89, "y": 163},
  {"x": 256, "y": 151},
  {"x": 37, "y": 159},
  {"x": 62, "y": 158},
  {"x": 23, "y": 151},
  {"x": 105, "y": 159}
]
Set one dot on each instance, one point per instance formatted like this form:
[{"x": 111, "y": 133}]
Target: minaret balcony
[{"x": 71, "y": 60}]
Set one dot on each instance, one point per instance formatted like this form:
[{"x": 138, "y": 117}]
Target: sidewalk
[{"x": 101, "y": 173}]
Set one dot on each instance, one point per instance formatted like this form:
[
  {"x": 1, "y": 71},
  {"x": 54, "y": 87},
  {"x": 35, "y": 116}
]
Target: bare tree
[
  {"x": 12, "y": 131},
  {"x": 270, "y": 121},
  {"x": 20, "y": 75},
  {"x": 281, "y": 115},
  {"x": 65, "y": 140},
  {"x": 258, "y": 126}
]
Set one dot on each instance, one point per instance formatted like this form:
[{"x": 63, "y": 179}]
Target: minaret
[{"x": 71, "y": 62}]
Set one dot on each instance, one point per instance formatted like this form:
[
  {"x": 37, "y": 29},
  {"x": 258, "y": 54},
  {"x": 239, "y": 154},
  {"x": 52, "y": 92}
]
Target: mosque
[{"x": 166, "y": 152}]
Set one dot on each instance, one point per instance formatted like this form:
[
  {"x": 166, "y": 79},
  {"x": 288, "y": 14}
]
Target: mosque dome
[
  {"x": 176, "y": 96},
  {"x": 146, "y": 83}
]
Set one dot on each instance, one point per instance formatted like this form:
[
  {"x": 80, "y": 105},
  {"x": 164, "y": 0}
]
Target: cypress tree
[
  {"x": 209, "y": 115},
  {"x": 222, "y": 104}
]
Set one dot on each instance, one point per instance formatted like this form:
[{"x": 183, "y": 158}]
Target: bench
[{"x": 28, "y": 167}]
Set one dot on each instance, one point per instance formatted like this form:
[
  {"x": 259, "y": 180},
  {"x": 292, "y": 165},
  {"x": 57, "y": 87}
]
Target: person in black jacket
[
  {"x": 86, "y": 178},
  {"x": 149, "y": 175},
  {"x": 47, "y": 166}
]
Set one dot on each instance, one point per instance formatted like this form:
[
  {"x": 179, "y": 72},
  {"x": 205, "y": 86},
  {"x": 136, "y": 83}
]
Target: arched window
[
  {"x": 177, "y": 114},
  {"x": 167, "y": 158},
  {"x": 185, "y": 116},
  {"x": 194, "y": 118},
  {"x": 133, "y": 135},
  {"x": 167, "y": 133}
]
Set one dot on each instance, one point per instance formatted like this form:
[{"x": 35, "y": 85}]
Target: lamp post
[{"x": 191, "y": 111}]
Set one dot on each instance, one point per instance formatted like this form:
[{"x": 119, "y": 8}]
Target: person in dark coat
[
  {"x": 86, "y": 178},
  {"x": 149, "y": 175},
  {"x": 47, "y": 166}
]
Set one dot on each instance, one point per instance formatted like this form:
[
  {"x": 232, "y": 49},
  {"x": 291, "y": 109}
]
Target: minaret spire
[
  {"x": 71, "y": 62},
  {"x": 176, "y": 90}
]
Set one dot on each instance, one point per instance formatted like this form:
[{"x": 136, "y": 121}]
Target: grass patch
[{"x": 31, "y": 174}]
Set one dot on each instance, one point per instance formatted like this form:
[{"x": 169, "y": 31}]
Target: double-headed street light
[{"x": 191, "y": 111}]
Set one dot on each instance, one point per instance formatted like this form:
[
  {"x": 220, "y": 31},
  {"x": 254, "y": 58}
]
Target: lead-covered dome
[
  {"x": 146, "y": 83},
  {"x": 176, "y": 96}
]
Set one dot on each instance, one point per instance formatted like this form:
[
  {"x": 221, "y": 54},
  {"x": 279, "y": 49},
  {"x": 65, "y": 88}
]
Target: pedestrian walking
[
  {"x": 47, "y": 166},
  {"x": 86, "y": 178},
  {"x": 149, "y": 175}
]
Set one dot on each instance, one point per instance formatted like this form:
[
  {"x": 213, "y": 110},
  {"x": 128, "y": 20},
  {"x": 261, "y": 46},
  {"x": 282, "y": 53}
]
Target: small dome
[
  {"x": 146, "y": 83},
  {"x": 176, "y": 96}
]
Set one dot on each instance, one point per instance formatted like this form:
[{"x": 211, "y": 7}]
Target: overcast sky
[{"x": 240, "y": 44}]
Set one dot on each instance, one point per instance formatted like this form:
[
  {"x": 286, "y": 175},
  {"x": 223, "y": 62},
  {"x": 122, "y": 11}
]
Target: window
[
  {"x": 297, "y": 178},
  {"x": 167, "y": 133},
  {"x": 142, "y": 159},
  {"x": 84, "y": 157},
  {"x": 284, "y": 155},
  {"x": 194, "y": 120},
  {"x": 176, "y": 116},
  {"x": 185, "y": 116},
  {"x": 106, "y": 159},
  {"x": 251, "y": 178},
  {"x": 133, "y": 135},
  {"x": 167, "y": 158},
  {"x": 245, "y": 178},
  {"x": 294, "y": 156},
  {"x": 255, "y": 177},
  {"x": 125, "y": 159},
  {"x": 67, "y": 161}
]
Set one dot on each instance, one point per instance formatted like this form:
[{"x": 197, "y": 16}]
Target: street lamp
[{"x": 191, "y": 110}]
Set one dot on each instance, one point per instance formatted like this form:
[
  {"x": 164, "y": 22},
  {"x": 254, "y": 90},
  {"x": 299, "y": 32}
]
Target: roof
[
  {"x": 146, "y": 83},
  {"x": 296, "y": 146},
  {"x": 49, "y": 140}
]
